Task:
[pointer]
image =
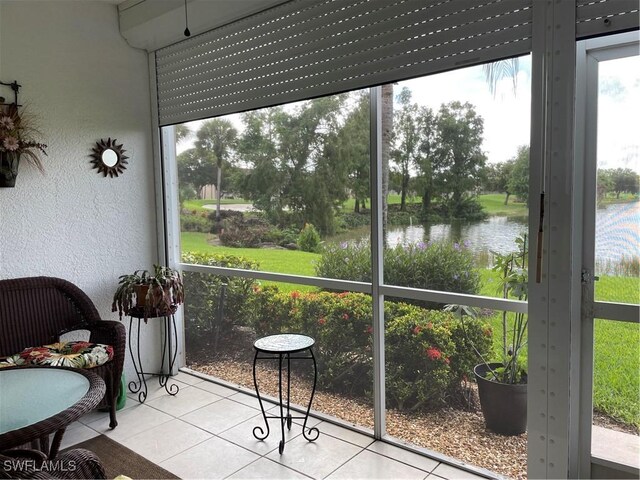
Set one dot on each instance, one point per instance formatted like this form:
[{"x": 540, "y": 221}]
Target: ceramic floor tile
[
  {"x": 315, "y": 459},
  {"x": 166, "y": 440},
  {"x": 214, "y": 458},
  {"x": 345, "y": 434},
  {"x": 452, "y": 473},
  {"x": 242, "y": 434},
  {"x": 131, "y": 422},
  {"x": 216, "y": 388},
  {"x": 265, "y": 469},
  {"x": 404, "y": 456},
  {"x": 95, "y": 415},
  {"x": 368, "y": 465},
  {"x": 220, "y": 416},
  {"x": 250, "y": 401},
  {"x": 187, "y": 378},
  {"x": 76, "y": 433},
  {"x": 186, "y": 400},
  {"x": 154, "y": 390}
]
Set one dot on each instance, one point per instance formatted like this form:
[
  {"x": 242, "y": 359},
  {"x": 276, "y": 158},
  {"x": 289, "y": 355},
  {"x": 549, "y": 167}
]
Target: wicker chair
[
  {"x": 76, "y": 463},
  {"x": 37, "y": 310}
]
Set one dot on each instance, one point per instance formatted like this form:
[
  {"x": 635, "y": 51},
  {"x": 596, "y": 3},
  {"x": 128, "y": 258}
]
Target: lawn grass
[
  {"x": 198, "y": 204},
  {"x": 493, "y": 204},
  {"x": 617, "y": 344}
]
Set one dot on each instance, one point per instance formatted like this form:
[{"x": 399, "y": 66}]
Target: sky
[{"x": 507, "y": 115}]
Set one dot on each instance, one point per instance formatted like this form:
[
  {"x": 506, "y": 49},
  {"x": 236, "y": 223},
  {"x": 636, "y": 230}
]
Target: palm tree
[
  {"x": 496, "y": 71},
  {"x": 217, "y": 138}
]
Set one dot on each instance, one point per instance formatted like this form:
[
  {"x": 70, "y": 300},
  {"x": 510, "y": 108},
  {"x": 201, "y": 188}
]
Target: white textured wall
[{"x": 84, "y": 83}]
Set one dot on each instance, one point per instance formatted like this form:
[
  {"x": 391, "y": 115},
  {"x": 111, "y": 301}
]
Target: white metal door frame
[{"x": 588, "y": 55}]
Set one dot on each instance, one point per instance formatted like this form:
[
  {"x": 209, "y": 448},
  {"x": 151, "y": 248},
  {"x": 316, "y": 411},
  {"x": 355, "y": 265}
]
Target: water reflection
[{"x": 617, "y": 234}]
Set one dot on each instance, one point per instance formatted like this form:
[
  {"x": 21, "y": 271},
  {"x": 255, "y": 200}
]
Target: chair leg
[{"x": 112, "y": 392}]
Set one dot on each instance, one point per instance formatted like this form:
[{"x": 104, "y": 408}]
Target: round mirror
[{"x": 108, "y": 158}]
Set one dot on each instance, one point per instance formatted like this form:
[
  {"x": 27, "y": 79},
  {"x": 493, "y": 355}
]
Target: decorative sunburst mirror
[{"x": 109, "y": 158}]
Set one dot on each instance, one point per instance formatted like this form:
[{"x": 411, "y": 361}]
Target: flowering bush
[
  {"x": 17, "y": 138},
  {"x": 427, "y": 353}
]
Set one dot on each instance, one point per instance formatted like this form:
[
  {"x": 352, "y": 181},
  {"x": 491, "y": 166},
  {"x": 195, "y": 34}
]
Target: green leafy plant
[
  {"x": 512, "y": 270},
  {"x": 309, "y": 238},
  {"x": 160, "y": 290}
]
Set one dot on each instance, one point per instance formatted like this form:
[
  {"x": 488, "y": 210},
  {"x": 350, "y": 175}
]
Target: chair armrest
[{"x": 107, "y": 331}]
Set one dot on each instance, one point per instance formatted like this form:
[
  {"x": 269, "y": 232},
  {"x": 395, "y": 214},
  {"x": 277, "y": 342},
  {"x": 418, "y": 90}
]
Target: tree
[
  {"x": 354, "y": 147},
  {"x": 410, "y": 134},
  {"x": 457, "y": 157},
  {"x": 518, "y": 183},
  {"x": 195, "y": 169},
  {"x": 496, "y": 178},
  {"x": 624, "y": 180},
  {"x": 216, "y": 139},
  {"x": 387, "y": 139}
]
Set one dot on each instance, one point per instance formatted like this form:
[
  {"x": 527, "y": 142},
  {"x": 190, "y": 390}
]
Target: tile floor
[{"x": 206, "y": 432}]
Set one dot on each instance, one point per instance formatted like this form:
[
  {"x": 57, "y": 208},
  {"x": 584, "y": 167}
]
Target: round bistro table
[
  {"x": 286, "y": 346},
  {"x": 38, "y": 401}
]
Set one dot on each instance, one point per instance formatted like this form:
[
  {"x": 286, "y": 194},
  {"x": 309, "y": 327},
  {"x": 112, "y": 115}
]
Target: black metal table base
[
  {"x": 311, "y": 434},
  {"x": 170, "y": 353}
]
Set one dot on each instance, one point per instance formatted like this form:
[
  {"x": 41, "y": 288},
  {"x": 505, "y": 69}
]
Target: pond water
[{"x": 617, "y": 233}]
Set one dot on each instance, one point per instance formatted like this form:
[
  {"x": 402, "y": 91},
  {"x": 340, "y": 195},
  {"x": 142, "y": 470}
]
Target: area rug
[{"x": 119, "y": 460}]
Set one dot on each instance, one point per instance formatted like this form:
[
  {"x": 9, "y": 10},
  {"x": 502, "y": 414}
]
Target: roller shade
[
  {"x": 305, "y": 48},
  {"x": 309, "y": 48},
  {"x": 603, "y": 17}
]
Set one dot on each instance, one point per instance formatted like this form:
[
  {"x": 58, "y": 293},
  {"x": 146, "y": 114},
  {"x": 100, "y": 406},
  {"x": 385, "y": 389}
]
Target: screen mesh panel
[{"x": 304, "y": 49}]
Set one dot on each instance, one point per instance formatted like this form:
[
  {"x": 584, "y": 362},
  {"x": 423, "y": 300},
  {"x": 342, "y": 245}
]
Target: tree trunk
[
  {"x": 387, "y": 130},
  {"x": 506, "y": 199},
  {"x": 356, "y": 209},
  {"x": 218, "y": 193}
]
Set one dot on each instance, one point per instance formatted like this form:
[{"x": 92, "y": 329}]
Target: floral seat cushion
[{"x": 62, "y": 354}]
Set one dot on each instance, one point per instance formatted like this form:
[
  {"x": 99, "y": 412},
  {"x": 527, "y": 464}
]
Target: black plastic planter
[{"x": 504, "y": 406}]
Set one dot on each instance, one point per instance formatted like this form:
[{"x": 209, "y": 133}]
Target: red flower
[
  {"x": 487, "y": 332},
  {"x": 343, "y": 294},
  {"x": 433, "y": 353},
  {"x": 417, "y": 329},
  {"x": 322, "y": 321},
  {"x": 256, "y": 290},
  {"x": 430, "y": 325},
  {"x": 345, "y": 316},
  {"x": 295, "y": 294},
  {"x": 369, "y": 329},
  {"x": 446, "y": 360}
]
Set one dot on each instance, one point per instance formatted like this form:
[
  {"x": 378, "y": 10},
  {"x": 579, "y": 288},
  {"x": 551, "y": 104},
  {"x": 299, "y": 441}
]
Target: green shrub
[
  {"x": 309, "y": 238},
  {"x": 202, "y": 292},
  {"x": 345, "y": 261},
  {"x": 351, "y": 220},
  {"x": 244, "y": 232},
  {"x": 427, "y": 353},
  {"x": 195, "y": 222},
  {"x": 433, "y": 266}
]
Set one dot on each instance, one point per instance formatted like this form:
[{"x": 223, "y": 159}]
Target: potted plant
[
  {"x": 155, "y": 293},
  {"x": 17, "y": 140},
  {"x": 502, "y": 383}
]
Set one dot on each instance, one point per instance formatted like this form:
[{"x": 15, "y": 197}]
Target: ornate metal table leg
[
  {"x": 135, "y": 387},
  {"x": 282, "y": 417},
  {"x": 262, "y": 435},
  {"x": 309, "y": 436},
  {"x": 163, "y": 378},
  {"x": 289, "y": 418}
]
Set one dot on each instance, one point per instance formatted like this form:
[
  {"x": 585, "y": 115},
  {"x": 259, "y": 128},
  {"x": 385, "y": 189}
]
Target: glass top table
[{"x": 38, "y": 401}]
